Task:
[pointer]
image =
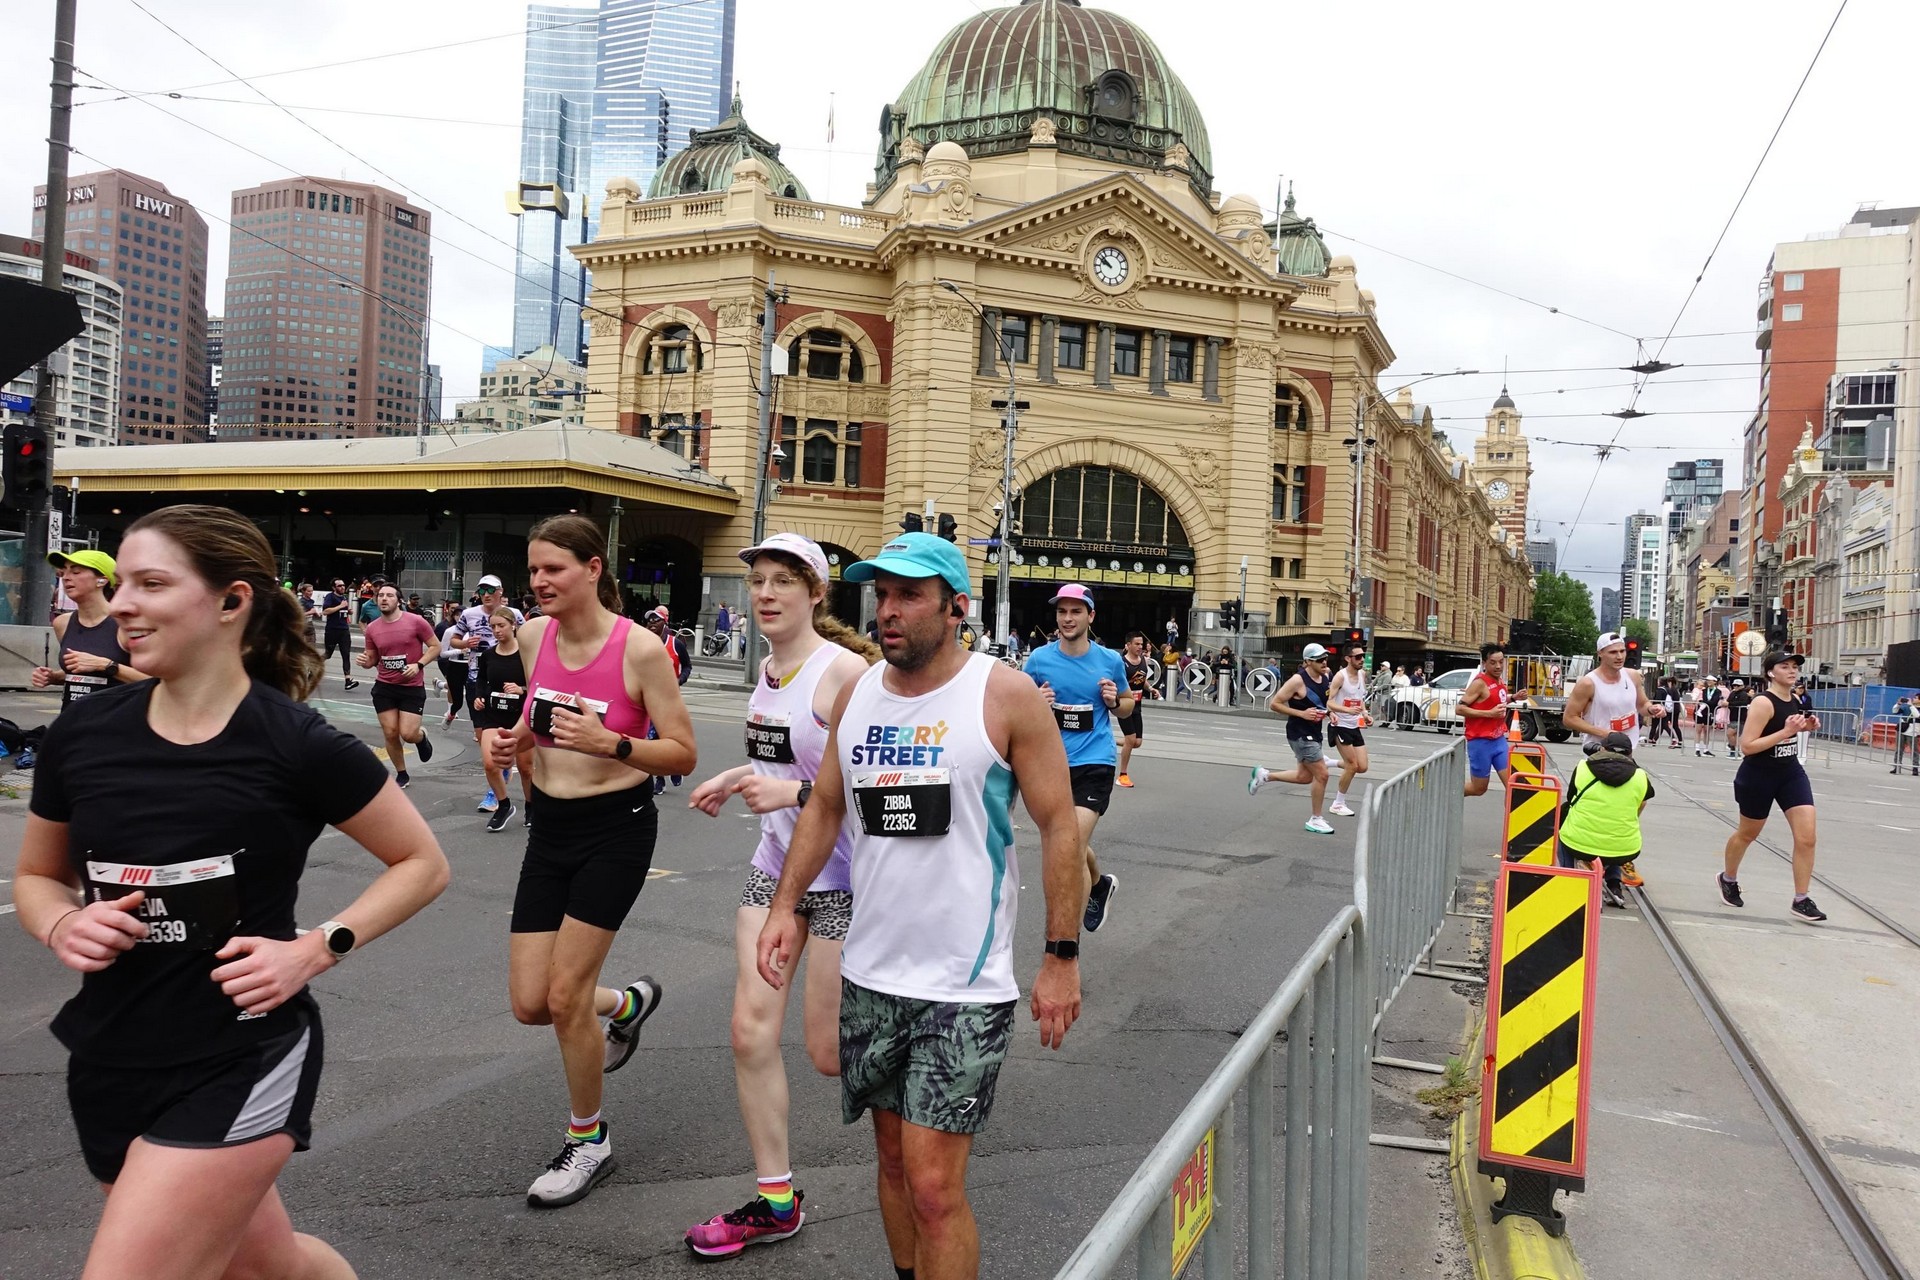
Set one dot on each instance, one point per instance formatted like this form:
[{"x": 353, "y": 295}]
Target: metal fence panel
[{"x": 1406, "y": 862}]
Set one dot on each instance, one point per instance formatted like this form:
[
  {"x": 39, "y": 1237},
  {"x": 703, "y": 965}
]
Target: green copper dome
[
  {"x": 1297, "y": 246},
  {"x": 707, "y": 162},
  {"x": 1097, "y": 76}
]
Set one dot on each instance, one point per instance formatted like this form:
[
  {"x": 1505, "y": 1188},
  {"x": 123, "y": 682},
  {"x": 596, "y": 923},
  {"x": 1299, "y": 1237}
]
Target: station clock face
[
  {"x": 1110, "y": 266},
  {"x": 1499, "y": 491}
]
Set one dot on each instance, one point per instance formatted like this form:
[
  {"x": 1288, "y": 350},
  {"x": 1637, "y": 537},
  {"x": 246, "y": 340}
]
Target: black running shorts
[
  {"x": 410, "y": 698},
  {"x": 240, "y": 1097},
  {"x": 1092, "y": 786},
  {"x": 1132, "y": 726},
  {"x": 587, "y": 858},
  {"x": 1756, "y": 793},
  {"x": 1340, "y": 737}
]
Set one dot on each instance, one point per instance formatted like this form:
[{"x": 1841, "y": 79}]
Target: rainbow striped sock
[
  {"x": 624, "y": 1011},
  {"x": 778, "y": 1192},
  {"x": 588, "y": 1130}
]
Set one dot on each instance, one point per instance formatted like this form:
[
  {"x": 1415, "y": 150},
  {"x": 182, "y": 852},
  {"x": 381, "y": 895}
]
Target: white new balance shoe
[{"x": 578, "y": 1169}]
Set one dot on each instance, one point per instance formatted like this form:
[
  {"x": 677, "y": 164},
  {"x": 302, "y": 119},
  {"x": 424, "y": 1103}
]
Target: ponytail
[{"x": 843, "y": 635}]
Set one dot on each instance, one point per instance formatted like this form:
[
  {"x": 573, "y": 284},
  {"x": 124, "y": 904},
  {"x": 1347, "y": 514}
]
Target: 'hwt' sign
[{"x": 1192, "y": 1202}]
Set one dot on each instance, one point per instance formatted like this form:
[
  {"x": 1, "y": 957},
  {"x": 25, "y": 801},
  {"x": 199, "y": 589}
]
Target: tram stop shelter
[{"x": 431, "y": 513}]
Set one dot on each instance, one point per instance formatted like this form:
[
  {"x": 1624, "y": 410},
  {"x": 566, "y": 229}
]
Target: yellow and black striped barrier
[
  {"x": 1532, "y": 832},
  {"x": 1528, "y": 760},
  {"x": 1533, "y": 1110}
]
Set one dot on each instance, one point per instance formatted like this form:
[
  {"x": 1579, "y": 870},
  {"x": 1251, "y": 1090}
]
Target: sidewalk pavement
[{"x": 1686, "y": 1176}]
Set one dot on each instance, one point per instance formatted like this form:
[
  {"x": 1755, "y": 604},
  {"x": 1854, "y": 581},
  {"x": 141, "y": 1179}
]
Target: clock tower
[{"x": 1500, "y": 466}]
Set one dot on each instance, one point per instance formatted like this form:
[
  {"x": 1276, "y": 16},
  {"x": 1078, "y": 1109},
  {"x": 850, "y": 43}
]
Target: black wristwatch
[
  {"x": 806, "y": 791},
  {"x": 624, "y": 750},
  {"x": 113, "y": 671},
  {"x": 1064, "y": 948},
  {"x": 339, "y": 938}
]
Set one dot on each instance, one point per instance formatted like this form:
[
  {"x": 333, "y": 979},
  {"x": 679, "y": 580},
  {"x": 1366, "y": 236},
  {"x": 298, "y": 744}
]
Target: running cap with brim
[
  {"x": 660, "y": 612},
  {"x": 1607, "y": 640},
  {"x": 1738, "y": 683},
  {"x": 797, "y": 545},
  {"x": 490, "y": 583},
  {"x": 1314, "y": 653},
  {"x": 1074, "y": 591},
  {"x": 1779, "y": 656},
  {"x": 915, "y": 555},
  {"x": 1618, "y": 743},
  {"x": 87, "y": 558},
  {"x": 1713, "y": 679}
]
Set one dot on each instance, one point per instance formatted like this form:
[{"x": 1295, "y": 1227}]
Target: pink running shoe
[{"x": 752, "y": 1223}]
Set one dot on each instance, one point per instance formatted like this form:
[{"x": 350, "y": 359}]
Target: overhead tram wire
[{"x": 1634, "y": 399}]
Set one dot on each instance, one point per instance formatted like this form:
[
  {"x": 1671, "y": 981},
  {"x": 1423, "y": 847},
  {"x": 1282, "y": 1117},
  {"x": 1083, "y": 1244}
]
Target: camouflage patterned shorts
[{"x": 933, "y": 1064}]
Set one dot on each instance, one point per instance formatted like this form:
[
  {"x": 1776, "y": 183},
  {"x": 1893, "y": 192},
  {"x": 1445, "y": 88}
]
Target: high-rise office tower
[
  {"x": 1633, "y": 600},
  {"x": 154, "y": 246},
  {"x": 1692, "y": 490},
  {"x": 325, "y": 331},
  {"x": 611, "y": 91},
  {"x": 86, "y": 372}
]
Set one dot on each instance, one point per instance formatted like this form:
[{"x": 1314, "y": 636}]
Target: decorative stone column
[
  {"x": 1049, "y": 343},
  {"x": 1157, "y": 364},
  {"x": 1210, "y": 372},
  {"x": 1103, "y": 357},
  {"x": 990, "y": 342}
]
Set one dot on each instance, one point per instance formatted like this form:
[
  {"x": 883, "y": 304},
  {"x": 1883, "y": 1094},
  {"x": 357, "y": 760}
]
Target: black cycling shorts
[
  {"x": 236, "y": 1098},
  {"x": 1340, "y": 737},
  {"x": 1133, "y": 726},
  {"x": 1092, "y": 786},
  {"x": 587, "y": 858},
  {"x": 410, "y": 698},
  {"x": 1756, "y": 793}
]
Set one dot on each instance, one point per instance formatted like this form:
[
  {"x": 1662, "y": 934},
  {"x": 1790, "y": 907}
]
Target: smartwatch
[
  {"x": 806, "y": 790},
  {"x": 1065, "y": 949},
  {"x": 624, "y": 750},
  {"x": 339, "y": 938},
  {"x": 113, "y": 671}
]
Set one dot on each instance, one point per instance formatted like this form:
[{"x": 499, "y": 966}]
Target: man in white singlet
[
  {"x": 926, "y": 752},
  {"x": 1609, "y": 698}
]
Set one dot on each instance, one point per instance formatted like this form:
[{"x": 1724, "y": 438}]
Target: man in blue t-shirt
[{"x": 1086, "y": 685}]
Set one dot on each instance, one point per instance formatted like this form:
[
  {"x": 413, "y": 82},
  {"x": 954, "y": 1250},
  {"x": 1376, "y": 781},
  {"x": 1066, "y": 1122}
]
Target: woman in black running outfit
[
  {"x": 1771, "y": 773},
  {"x": 500, "y": 694},
  {"x": 169, "y": 826},
  {"x": 452, "y": 663},
  {"x": 90, "y": 654}
]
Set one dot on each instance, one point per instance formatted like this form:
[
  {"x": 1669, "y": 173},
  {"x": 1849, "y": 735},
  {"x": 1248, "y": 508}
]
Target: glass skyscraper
[{"x": 610, "y": 92}]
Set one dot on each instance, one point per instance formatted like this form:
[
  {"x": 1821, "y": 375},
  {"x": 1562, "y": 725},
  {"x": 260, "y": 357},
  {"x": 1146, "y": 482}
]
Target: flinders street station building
[{"x": 1042, "y": 195}]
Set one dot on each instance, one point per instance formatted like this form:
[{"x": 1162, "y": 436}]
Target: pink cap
[
  {"x": 799, "y": 546},
  {"x": 1074, "y": 591}
]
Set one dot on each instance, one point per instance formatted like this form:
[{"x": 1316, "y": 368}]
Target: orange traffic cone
[{"x": 1513, "y": 727}]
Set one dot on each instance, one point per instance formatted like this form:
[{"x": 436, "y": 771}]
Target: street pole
[
  {"x": 1240, "y": 614},
  {"x": 768, "y": 323},
  {"x": 36, "y": 575},
  {"x": 1010, "y": 425}
]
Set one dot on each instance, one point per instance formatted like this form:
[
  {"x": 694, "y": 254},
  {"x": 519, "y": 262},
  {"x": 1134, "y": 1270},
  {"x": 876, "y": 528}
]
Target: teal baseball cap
[{"x": 915, "y": 555}]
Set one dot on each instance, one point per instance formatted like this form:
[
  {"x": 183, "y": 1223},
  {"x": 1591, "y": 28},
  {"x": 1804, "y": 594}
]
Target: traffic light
[
  {"x": 1344, "y": 638},
  {"x": 912, "y": 523},
  {"x": 26, "y": 475},
  {"x": 949, "y": 528},
  {"x": 1230, "y": 615},
  {"x": 1633, "y": 654}
]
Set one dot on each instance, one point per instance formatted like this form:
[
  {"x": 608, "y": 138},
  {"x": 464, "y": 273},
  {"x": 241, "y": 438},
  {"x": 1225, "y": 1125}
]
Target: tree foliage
[
  {"x": 1564, "y": 607},
  {"x": 1637, "y": 629}
]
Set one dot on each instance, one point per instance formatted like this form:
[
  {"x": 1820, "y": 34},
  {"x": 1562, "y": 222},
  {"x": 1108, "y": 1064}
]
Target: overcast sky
[{"x": 1585, "y": 161}]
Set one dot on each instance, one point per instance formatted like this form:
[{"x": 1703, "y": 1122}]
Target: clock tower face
[
  {"x": 1499, "y": 491},
  {"x": 1110, "y": 266}
]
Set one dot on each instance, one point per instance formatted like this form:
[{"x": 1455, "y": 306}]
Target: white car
[{"x": 1433, "y": 705}]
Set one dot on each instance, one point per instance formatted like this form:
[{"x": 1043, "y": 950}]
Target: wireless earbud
[
  {"x": 958, "y": 612},
  {"x": 231, "y": 603}
]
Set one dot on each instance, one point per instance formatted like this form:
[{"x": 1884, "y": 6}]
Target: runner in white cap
[
  {"x": 1609, "y": 698},
  {"x": 1347, "y": 698},
  {"x": 471, "y": 636},
  {"x": 1086, "y": 685},
  {"x": 1303, "y": 700},
  {"x": 813, "y": 657}
]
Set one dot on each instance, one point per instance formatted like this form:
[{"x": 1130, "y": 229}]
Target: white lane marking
[
  {"x": 6, "y": 909},
  {"x": 1885, "y": 804},
  {"x": 1884, "y": 827},
  {"x": 1679, "y": 1119}
]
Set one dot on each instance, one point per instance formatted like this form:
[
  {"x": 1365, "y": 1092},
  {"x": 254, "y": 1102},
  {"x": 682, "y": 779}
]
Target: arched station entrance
[{"x": 1109, "y": 530}]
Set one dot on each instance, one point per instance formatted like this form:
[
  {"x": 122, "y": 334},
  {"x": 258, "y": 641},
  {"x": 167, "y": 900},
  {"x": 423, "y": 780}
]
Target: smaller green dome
[
  {"x": 1297, "y": 246},
  {"x": 707, "y": 162}
]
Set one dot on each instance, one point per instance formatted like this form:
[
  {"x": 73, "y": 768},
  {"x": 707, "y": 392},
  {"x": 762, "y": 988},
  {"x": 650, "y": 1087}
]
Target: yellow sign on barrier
[
  {"x": 1533, "y": 1112},
  {"x": 1529, "y": 760},
  {"x": 1533, "y": 820},
  {"x": 1192, "y": 1202}
]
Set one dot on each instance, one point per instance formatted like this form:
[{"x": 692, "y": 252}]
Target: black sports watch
[
  {"x": 806, "y": 790},
  {"x": 624, "y": 750},
  {"x": 1064, "y": 948},
  {"x": 338, "y": 937}
]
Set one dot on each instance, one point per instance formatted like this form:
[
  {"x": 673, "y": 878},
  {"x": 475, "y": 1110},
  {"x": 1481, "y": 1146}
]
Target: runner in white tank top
[
  {"x": 1347, "y": 704},
  {"x": 1608, "y": 699},
  {"x": 813, "y": 658},
  {"x": 925, "y": 756}
]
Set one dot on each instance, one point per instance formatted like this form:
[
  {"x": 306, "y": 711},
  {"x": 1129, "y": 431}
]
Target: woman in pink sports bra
[{"x": 595, "y": 682}]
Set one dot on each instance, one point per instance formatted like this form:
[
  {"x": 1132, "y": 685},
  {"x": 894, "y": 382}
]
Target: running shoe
[
  {"x": 1613, "y": 896},
  {"x": 752, "y": 1223},
  {"x": 1339, "y": 809},
  {"x": 1257, "y": 779},
  {"x": 425, "y": 748},
  {"x": 446, "y": 721},
  {"x": 498, "y": 822},
  {"x": 1098, "y": 901},
  {"x": 1729, "y": 890},
  {"x": 402, "y": 780},
  {"x": 352, "y": 683},
  {"x": 1318, "y": 826},
  {"x": 1805, "y": 912},
  {"x": 623, "y": 1037},
  {"x": 578, "y": 1169},
  {"x": 1126, "y": 780},
  {"x": 1630, "y": 875},
  {"x": 488, "y": 803},
  {"x": 1732, "y": 753}
]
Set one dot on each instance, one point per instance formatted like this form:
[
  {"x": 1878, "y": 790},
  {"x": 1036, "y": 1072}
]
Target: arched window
[
  {"x": 690, "y": 181},
  {"x": 827, "y": 356},
  {"x": 1290, "y": 412},
  {"x": 1115, "y": 97},
  {"x": 821, "y": 452},
  {"x": 674, "y": 349},
  {"x": 1099, "y": 504}
]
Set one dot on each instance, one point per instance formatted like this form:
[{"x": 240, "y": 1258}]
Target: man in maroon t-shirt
[{"x": 398, "y": 646}]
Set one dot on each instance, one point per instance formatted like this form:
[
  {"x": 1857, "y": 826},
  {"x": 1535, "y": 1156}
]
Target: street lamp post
[
  {"x": 769, "y": 320},
  {"x": 1010, "y": 424}
]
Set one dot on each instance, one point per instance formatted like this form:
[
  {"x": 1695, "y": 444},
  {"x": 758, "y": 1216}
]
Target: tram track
[{"x": 1831, "y": 1188}]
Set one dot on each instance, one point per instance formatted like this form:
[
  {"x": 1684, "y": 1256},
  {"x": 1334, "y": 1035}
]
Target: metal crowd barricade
[
  {"x": 1840, "y": 738},
  {"x": 1328, "y": 1008}
]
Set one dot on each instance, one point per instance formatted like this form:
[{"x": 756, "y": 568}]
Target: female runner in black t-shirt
[
  {"x": 169, "y": 826},
  {"x": 1770, "y": 774},
  {"x": 500, "y": 692}
]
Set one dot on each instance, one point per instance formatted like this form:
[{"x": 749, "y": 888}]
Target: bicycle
[{"x": 717, "y": 644}]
